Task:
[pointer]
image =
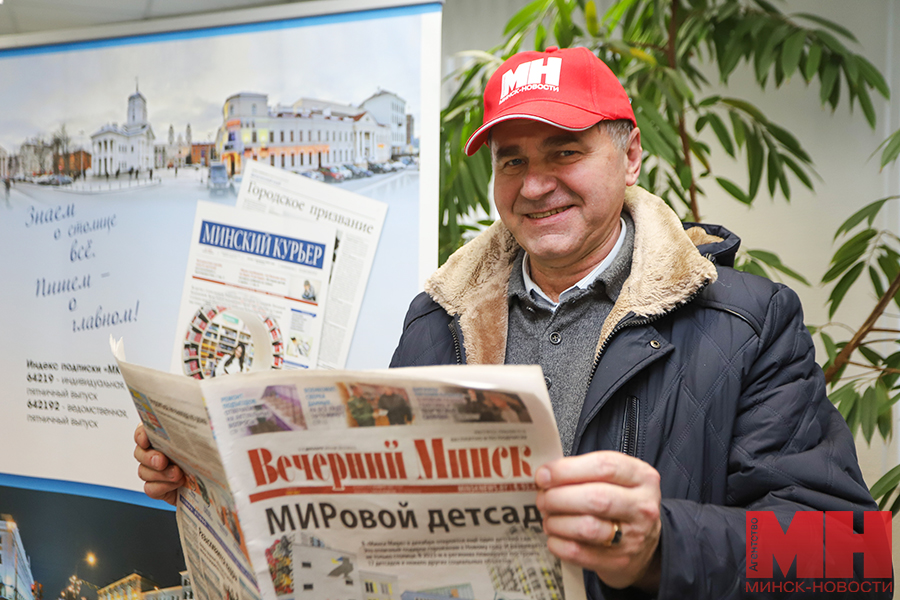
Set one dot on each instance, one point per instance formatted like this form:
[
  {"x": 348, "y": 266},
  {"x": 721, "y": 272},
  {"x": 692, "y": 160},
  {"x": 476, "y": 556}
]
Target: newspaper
[
  {"x": 254, "y": 293},
  {"x": 394, "y": 484},
  {"x": 358, "y": 221}
]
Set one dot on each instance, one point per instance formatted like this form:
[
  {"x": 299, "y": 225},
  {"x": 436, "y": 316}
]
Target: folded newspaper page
[
  {"x": 254, "y": 293},
  {"x": 358, "y": 222},
  {"x": 392, "y": 485}
]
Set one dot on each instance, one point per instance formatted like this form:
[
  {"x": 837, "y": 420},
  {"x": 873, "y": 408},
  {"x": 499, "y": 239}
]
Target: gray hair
[{"x": 619, "y": 132}]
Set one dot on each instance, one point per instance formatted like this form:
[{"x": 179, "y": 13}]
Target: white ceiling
[{"x": 31, "y": 16}]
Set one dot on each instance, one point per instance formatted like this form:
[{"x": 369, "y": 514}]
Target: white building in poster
[
  {"x": 176, "y": 152},
  {"x": 35, "y": 158},
  {"x": 15, "y": 567},
  {"x": 127, "y": 148},
  {"x": 301, "y": 137},
  {"x": 389, "y": 109}
]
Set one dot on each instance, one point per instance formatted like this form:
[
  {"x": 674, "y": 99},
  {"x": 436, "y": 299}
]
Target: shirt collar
[{"x": 542, "y": 299}]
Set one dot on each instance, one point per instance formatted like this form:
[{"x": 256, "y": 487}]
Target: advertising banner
[{"x": 117, "y": 143}]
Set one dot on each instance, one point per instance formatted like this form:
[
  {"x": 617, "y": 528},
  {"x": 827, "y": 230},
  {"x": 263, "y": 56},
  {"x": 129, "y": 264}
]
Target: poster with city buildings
[{"x": 107, "y": 144}]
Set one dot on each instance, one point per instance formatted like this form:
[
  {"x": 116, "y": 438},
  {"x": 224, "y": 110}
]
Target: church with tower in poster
[{"x": 127, "y": 148}]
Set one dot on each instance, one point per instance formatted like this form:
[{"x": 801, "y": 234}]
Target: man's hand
[
  {"x": 584, "y": 498},
  {"x": 161, "y": 478}
]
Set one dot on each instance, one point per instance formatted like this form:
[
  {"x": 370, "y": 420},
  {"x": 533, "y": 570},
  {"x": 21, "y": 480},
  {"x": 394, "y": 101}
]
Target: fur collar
[{"x": 666, "y": 270}]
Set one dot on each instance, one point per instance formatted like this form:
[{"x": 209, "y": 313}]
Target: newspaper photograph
[
  {"x": 393, "y": 484},
  {"x": 358, "y": 223},
  {"x": 254, "y": 294}
]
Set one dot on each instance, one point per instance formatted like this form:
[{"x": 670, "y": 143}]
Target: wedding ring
[{"x": 616, "y": 536}]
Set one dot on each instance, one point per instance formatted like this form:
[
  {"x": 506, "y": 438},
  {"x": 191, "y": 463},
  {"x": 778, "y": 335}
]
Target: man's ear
[{"x": 633, "y": 156}]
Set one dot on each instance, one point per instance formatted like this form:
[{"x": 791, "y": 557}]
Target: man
[
  {"x": 686, "y": 393},
  {"x": 309, "y": 293},
  {"x": 395, "y": 406},
  {"x": 360, "y": 408}
]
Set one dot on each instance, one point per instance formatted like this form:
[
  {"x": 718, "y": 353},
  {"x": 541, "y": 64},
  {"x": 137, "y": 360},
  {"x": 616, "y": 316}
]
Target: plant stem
[
  {"x": 686, "y": 147},
  {"x": 885, "y": 370},
  {"x": 682, "y": 130},
  {"x": 844, "y": 356},
  {"x": 673, "y": 31},
  {"x": 881, "y": 341}
]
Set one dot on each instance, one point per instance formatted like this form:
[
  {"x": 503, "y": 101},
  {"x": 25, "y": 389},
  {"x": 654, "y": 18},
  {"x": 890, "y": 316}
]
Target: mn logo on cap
[
  {"x": 532, "y": 75},
  {"x": 587, "y": 93}
]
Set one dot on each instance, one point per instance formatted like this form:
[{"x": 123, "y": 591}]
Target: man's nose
[{"x": 538, "y": 182}]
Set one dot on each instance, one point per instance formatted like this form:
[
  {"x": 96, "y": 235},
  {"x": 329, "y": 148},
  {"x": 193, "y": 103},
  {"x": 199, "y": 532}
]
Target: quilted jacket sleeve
[
  {"x": 790, "y": 451},
  {"x": 426, "y": 338}
]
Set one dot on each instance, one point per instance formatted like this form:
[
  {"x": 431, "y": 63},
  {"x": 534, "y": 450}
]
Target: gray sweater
[{"x": 564, "y": 342}]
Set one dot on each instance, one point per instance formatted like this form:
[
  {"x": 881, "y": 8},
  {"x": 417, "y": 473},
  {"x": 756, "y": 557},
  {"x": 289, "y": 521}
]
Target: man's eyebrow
[
  {"x": 554, "y": 141},
  {"x": 507, "y": 151},
  {"x": 562, "y": 139}
]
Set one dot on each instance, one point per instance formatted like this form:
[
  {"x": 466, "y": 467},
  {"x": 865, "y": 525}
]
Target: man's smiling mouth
[{"x": 541, "y": 215}]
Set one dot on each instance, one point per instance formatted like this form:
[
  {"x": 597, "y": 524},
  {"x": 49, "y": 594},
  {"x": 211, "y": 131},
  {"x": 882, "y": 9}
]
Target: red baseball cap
[{"x": 569, "y": 88}]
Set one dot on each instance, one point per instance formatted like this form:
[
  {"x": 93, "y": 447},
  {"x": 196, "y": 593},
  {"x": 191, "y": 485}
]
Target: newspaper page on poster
[
  {"x": 254, "y": 293},
  {"x": 402, "y": 483},
  {"x": 358, "y": 221}
]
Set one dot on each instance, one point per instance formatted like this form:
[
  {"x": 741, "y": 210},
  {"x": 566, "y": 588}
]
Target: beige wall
[{"x": 471, "y": 25}]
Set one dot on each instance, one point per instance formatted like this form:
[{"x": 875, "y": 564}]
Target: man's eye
[
  {"x": 566, "y": 153},
  {"x": 514, "y": 162}
]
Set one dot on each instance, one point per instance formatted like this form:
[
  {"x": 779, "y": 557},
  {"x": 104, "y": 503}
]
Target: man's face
[{"x": 560, "y": 192}]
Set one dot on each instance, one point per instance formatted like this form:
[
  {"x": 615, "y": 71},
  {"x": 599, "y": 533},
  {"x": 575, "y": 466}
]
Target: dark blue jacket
[{"x": 706, "y": 373}]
